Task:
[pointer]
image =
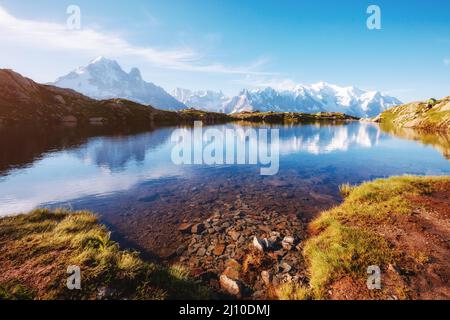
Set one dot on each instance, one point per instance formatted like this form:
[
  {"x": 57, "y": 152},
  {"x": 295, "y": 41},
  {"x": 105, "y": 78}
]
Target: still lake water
[
  {"x": 119, "y": 175},
  {"x": 98, "y": 167}
]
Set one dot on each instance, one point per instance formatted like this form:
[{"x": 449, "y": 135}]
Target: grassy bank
[
  {"x": 432, "y": 115},
  {"x": 400, "y": 224},
  {"x": 37, "y": 248}
]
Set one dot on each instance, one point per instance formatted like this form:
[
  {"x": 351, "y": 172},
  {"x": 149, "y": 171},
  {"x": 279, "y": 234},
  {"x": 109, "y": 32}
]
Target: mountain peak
[
  {"x": 135, "y": 73},
  {"x": 101, "y": 59},
  {"x": 104, "y": 78}
]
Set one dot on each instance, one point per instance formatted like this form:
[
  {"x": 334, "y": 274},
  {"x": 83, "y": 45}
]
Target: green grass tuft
[
  {"x": 344, "y": 241},
  {"x": 54, "y": 240}
]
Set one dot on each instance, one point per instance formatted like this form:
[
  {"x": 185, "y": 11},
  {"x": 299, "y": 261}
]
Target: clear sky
[{"x": 235, "y": 44}]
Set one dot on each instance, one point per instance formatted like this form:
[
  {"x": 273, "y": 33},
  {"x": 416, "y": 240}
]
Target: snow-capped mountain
[
  {"x": 311, "y": 99},
  {"x": 105, "y": 79},
  {"x": 206, "y": 100}
]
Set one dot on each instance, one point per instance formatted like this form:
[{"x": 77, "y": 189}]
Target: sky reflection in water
[{"x": 98, "y": 167}]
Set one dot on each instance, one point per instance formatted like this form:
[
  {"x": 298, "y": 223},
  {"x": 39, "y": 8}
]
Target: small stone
[
  {"x": 219, "y": 249},
  {"x": 185, "y": 227},
  {"x": 234, "y": 265},
  {"x": 198, "y": 228},
  {"x": 201, "y": 252},
  {"x": 393, "y": 269},
  {"x": 258, "y": 244},
  {"x": 265, "y": 277},
  {"x": 264, "y": 229},
  {"x": 267, "y": 243},
  {"x": 275, "y": 234},
  {"x": 234, "y": 235},
  {"x": 289, "y": 240},
  {"x": 181, "y": 249},
  {"x": 239, "y": 214},
  {"x": 105, "y": 292},
  {"x": 231, "y": 273},
  {"x": 286, "y": 267},
  {"x": 229, "y": 285}
]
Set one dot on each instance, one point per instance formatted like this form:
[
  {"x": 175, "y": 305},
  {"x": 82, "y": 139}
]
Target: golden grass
[
  {"x": 58, "y": 239},
  {"x": 343, "y": 242},
  {"x": 292, "y": 291}
]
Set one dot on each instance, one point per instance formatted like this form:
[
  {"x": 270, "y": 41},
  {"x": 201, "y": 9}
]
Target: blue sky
[{"x": 230, "y": 44}]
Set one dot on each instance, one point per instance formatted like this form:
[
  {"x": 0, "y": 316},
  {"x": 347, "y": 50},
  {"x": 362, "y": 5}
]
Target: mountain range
[
  {"x": 320, "y": 97},
  {"x": 105, "y": 79}
]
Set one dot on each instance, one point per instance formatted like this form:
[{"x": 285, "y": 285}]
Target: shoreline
[{"x": 276, "y": 259}]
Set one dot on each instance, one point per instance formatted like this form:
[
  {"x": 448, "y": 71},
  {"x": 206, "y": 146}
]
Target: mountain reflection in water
[{"x": 89, "y": 167}]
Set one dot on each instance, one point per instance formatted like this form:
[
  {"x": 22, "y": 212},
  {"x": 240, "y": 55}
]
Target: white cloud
[
  {"x": 52, "y": 36},
  {"x": 447, "y": 61}
]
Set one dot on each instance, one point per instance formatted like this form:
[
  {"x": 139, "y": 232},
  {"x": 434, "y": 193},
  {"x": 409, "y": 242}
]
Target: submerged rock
[
  {"x": 198, "y": 228},
  {"x": 287, "y": 243},
  {"x": 266, "y": 278},
  {"x": 185, "y": 227},
  {"x": 230, "y": 286},
  {"x": 219, "y": 249},
  {"x": 258, "y": 244}
]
